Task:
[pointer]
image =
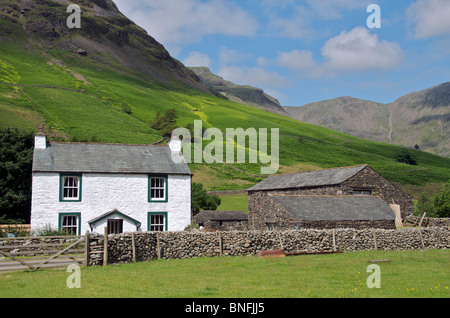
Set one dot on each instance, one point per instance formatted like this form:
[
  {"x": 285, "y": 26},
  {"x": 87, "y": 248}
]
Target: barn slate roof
[
  {"x": 336, "y": 208},
  {"x": 106, "y": 158},
  {"x": 307, "y": 179},
  {"x": 225, "y": 215}
]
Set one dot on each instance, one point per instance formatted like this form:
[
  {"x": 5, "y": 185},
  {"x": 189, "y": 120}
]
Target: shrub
[
  {"x": 165, "y": 123},
  {"x": 405, "y": 156},
  {"x": 201, "y": 200},
  {"x": 425, "y": 203},
  {"x": 47, "y": 230},
  {"x": 442, "y": 201}
]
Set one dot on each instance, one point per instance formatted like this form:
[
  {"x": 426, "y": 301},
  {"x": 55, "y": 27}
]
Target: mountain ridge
[
  {"x": 243, "y": 94},
  {"x": 418, "y": 119}
]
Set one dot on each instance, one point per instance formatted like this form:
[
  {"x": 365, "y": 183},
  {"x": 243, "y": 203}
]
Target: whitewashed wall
[{"x": 102, "y": 193}]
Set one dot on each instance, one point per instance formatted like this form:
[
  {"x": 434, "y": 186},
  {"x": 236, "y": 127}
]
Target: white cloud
[
  {"x": 296, "y": 60},
  {"x": 294, "y": 28},
  {"x": 177, "y": 22},
  {"x": 229, "y": 56},
  {"x": 197, "y": 59},
  {"x": 359, "y": 50},
  {"x": 254, "y": 76},
  {"x": 301, "y": 61},
  {"x": 356, "y": 50},
  {"x": 430, "y": 18}
]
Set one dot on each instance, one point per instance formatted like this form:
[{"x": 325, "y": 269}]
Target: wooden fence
[
  {"x": 23, "y": 229},
  {"x": 46, "y": 251}
]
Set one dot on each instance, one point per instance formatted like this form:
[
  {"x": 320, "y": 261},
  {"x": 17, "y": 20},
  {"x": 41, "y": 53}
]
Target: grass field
[
  {"x": 408, "y": 274},
  {"x": 234, "y": 202}
]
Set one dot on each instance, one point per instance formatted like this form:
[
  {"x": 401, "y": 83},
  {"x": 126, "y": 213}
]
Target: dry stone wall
[{"x": 176, "y": 245}]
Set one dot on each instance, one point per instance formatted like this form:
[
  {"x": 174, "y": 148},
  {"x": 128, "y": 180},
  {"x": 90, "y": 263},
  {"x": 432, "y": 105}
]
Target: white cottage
[{"x": 87, "y": 186}]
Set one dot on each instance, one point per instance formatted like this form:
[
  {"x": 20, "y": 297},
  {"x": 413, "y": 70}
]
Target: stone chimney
[{"x": 40, "y": 140}]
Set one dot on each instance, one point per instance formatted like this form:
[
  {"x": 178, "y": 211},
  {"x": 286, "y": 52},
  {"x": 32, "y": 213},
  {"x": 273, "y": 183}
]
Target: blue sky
[{"x": 302, "y": 51}]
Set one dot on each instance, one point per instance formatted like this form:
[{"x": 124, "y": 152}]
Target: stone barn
[
  {"x": 222, "y": 220},
  {"x": 356, "y": 197}
]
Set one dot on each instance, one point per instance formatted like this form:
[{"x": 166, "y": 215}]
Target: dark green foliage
[
  {"x": 16, "y": 157},
  {"x": 425, "y": 203},
  {"x": 442, "y": 201},
  {"x": 165, "y": 123},
  {"x": 405, "y": 156},
  {"x": 435, "y": 206},
  {"x": 201, "y": 200},
  {"x": 126, "y": 108}
]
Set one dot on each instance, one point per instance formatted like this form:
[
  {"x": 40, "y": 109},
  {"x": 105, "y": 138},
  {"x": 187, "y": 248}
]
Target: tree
[
  {"x": 201, "y": 200},
  {"x": 405, "y": 156},
  {"x": 425, "y": 203},
  {"x": 165, "y": 123},
  {"x": 16, "y": 157},
  {"x": 442, "y": 201}
]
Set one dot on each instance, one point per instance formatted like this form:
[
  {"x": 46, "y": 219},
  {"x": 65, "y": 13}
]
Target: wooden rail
[{"x": 12, "y": 251}]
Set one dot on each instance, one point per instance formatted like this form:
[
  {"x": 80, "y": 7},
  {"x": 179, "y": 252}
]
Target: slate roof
[
  {"x": 307, "y": 179},
  {"x": 225, "y": 215},
  {"x": 115, "y": 211},
  {"x": 336, "y": 208},
  {"x": 106, "y": 158}
]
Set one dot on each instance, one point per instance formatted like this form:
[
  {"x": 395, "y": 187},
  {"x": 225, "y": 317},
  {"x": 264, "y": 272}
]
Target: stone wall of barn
[
  {"x": 370, "y": 179},
  {"x": 262, "y": 209},
  {"x": 147, "y": 246}
]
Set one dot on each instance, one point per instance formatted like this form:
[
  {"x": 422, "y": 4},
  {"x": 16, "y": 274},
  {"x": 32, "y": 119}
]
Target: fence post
[
  {"x": 86, "y": 249},
  {"x": 334, "y": 241},
  {"x": 220, "y": 244},
  {"x": 281, "y": 242},
  {"x": 133, "y": 245},
  {"x": 105, "y": 247},
  {"x": 158, "y": 247}
]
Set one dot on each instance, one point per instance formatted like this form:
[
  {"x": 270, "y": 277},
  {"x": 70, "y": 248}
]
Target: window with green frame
[
  {"x": 70, "y": 187},
  {"x": 157, "y": 221},
  {"x": 157, "y": 188},
  {"x": 70, "y": 223}
]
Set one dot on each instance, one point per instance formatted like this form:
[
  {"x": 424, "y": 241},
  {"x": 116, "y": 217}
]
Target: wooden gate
[{"x": 22, "y": 253}]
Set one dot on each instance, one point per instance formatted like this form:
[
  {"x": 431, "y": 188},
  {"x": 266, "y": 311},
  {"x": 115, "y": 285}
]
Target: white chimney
[
  {"x": 175, "y": 144},
  {"x": 40, "y": 140}
]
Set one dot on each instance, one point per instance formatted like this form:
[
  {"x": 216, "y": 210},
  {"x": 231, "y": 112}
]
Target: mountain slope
[
  {"x": 106, "y": 35},
  {"x": 420, "y": 118},
  {"x": 111, "y": 92},
  {"x": 243, "y": 94}
]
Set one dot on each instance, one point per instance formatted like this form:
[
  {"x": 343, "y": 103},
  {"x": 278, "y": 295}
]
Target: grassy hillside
[{"x": 81, "y": 97}]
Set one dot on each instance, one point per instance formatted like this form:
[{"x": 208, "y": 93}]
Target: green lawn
[
  {"x": 234, "y": 202},
  {"x": 408, "y": 274}
]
